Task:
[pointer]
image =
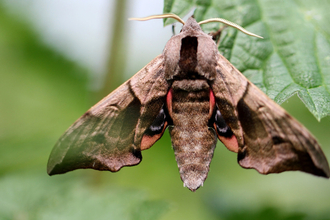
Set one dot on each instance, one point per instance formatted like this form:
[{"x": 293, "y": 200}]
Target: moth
[{"x": 197, "y": 94}]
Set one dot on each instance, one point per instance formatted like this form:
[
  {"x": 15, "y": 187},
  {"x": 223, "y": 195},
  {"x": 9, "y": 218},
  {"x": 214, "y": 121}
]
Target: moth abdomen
[
  {"x": 193, "y": 175},
  {"x": 192, "y": 139}
]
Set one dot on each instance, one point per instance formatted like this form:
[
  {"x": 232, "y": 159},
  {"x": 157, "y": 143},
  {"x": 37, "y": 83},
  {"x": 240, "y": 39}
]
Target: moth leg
[
  {"x": 216, "y": 35},
  {"x": 224, "y": 133},
  {"x": 173, "y": 29},
  {"x": 156, "y": 129}
]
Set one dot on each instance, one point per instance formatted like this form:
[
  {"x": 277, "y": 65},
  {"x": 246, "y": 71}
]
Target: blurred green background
[{"x": 42, "y": 93}]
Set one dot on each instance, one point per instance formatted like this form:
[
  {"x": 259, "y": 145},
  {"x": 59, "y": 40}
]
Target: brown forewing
[
  {"x": 108, "y": 136},
  {"x": 269, "y": 139}
]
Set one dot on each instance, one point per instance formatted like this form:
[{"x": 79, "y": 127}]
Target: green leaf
[{"x": 294, "y": 56}]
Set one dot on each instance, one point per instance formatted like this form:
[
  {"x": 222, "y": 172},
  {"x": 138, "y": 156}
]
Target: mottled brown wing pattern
[
  {"x": 197, "y": 93},
  {"x": 269, "y": 139},
  {"x": 108, "y": 136}
]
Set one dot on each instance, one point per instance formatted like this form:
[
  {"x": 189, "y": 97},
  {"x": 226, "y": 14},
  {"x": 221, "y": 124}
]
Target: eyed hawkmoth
[{"x": 200, "y": 96}]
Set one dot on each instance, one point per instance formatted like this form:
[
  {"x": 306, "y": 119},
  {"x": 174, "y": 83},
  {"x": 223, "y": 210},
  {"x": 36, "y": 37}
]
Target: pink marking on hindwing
[
  {"x": 212, "y": 103},
  {"x": 169, "y": 101},
  {"x": 230, "y": 142},
  {"x": 148, "y": 141}
]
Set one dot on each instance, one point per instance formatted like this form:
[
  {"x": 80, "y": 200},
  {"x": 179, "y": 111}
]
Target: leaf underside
[{"x": 294, "y": 56}]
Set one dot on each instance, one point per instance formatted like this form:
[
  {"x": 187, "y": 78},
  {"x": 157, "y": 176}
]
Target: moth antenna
[
  {"x": 229, "y": 23},
  {"x": 158, "y": 17}
]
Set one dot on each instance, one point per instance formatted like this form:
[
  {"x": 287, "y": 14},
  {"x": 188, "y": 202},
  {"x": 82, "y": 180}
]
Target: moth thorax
[{"x": 188, "y": 54}]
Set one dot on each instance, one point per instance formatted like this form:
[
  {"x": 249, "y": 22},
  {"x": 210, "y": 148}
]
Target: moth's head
[{"x": 191, "y": 24}]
